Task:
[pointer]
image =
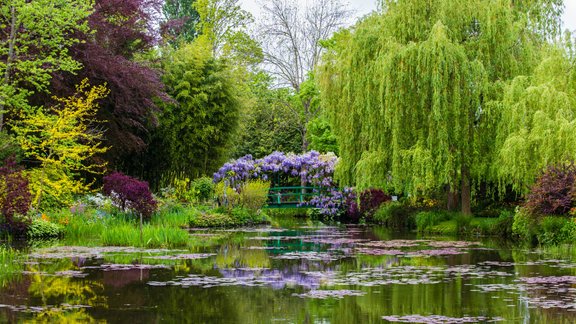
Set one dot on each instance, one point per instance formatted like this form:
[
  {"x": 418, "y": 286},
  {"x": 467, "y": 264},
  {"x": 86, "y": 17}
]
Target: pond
[{"x": 298, "y": 273}]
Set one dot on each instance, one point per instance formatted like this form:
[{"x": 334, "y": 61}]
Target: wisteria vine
[{"x": 317, "y": 170}]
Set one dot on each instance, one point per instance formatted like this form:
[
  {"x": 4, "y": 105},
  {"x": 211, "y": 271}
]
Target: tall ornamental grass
[{"x": 152, "y": 236}]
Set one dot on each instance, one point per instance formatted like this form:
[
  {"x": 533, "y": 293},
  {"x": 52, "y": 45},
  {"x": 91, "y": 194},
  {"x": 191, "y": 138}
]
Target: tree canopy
[
  {"x": 411, "y": 90},
  {"x": 195, "y": 130},
  {"x": 35, "y": 41}
]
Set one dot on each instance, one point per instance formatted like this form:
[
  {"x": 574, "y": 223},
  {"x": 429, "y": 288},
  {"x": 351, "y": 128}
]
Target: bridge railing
[{"x": 290, "y": 196}]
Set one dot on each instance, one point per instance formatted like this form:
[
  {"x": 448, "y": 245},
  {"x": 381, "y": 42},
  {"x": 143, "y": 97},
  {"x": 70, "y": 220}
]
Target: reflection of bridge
[{"x": 290, "y": 197}]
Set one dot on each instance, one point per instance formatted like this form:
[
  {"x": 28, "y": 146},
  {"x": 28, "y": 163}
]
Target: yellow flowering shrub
[{"x": 63, "y": 140}]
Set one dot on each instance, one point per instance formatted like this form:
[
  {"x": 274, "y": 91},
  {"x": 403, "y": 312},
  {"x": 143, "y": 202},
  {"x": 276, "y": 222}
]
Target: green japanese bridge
[{"x": 290, "y": 197}]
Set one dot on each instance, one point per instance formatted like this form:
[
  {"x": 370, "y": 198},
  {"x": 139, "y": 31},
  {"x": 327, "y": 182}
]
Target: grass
[
  {"x": 449, "y": 227},
  {"x": 426, "y": 220},
  {"x": 467, "y": 225},
  {"x": 153, "y": 236},
  {"x": 10, "y": 269},
  {"x": 175, "y": 217},
  {"x": 95, "y": 227},
  {"x": 81, "y": 229}
]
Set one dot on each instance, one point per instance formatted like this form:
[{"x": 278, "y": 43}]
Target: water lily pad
[
  {"x": 439, "y": 319},
  {"x": 324, "y": 294},
  {"x": 182, "y": 256}
]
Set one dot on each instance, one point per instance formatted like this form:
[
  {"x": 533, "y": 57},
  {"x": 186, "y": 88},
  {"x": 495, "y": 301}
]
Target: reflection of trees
[
  {"x": 232, "y": 255},
  {"x": 527, "y": 265},
  {"x": 63, "y": 298}
]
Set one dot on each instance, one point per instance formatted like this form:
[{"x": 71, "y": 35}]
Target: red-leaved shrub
[
  {"x": 371, "y": 199},
  {"x": 352, "y": 212},
  {"x": 130, "y": 194},
  {"x": 554, "y": 191},
  {"x": 15, "y": 198}
]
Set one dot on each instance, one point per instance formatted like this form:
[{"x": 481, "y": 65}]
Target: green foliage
[
  {"x": 463, "y": 222},
  {"x": 227, "y": 196},
  {"x": 184, "y": 12},
  {"x": 153, "y": 236},
  {"x": 268, "y": 124},
  {"x": 426, "y": 219},
  {"x": 175, "y": 217},
  {"x": 503, "y": 227},
  {"x": 182, "y": 191},
  {"x": 228, "y": 218},
  {"x": 223, "y": 25},
  {"x": 394, "y": 215},
  {"x": 254, "y": 194},
  {"x": 245, "y": 216},
  {"x": 42, "y": 229},
  {"x": 64, "y": 142},
  {"x": 537, "y": 124},
  {"x": 195, "y": 130},
  {"x": 524, "y": 225},
  {"x": 321, "y": 137},
  {"x": 413, "y": 92},
  {"x": 81, "y": 228},
  {"x": 37, "y": 36},
  {"x": 9, "y": 147},
  {"x": 556, "y": 230},
  {"x": 212, "y": 219},
  {"x": 204, "y": 188},
  {"x": 10, "y": 268}
]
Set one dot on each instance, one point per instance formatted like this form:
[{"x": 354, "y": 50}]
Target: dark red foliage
[
  {"x": 15, "y": 202},
  {"x": 371, "y": 199},
  {"x": 122, "y": 28},
  {"x": 553, "y": 193},
  {"x": 130, "y": 193},
  {"x": 352, "y": 212}
]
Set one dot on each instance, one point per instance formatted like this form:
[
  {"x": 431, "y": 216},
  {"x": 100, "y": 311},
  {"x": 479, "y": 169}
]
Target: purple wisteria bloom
[{"x": 312, "y": 168}]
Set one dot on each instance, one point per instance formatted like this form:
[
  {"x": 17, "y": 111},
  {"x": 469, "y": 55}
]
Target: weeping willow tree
[
  {"x": 408, "y": 90},
  {"x": 537, "y": 121}
]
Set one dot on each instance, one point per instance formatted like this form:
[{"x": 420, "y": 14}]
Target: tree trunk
[
  {"x": 9, "y": 59},
  {"x": 451, "y": 198},
  {"x": 466, "y": 191},
  {"x": 306, "y": 105},
  {"x": 304, "y": 140}
]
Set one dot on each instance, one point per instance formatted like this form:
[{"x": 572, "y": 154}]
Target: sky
[{"x": 362, "y": 7}]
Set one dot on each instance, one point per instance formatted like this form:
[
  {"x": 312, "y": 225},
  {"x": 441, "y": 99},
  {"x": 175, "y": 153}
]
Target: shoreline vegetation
[
  {"x": 126, "y": 213},
  {"x": 203, "y": 129}
]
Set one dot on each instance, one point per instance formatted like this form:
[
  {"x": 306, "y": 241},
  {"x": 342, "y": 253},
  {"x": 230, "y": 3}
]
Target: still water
[{"x": 295, "y": 273}]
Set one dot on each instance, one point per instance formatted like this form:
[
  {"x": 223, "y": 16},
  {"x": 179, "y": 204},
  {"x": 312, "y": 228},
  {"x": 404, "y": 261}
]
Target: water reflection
[{"x": 301, "y": 274}]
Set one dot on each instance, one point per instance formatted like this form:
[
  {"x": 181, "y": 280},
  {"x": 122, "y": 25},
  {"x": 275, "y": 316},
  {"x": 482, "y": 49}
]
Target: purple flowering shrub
[
  {"x": 312, "y": 168},
  {"x": 554, "y": 191},
  {"x": 371, "y": 199},
  {"x": 130, "y": 194},
  {"x": 15, "y": 198},
  {"x": 333, "y": 202},
  {"x": 315, "y": 169}
]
